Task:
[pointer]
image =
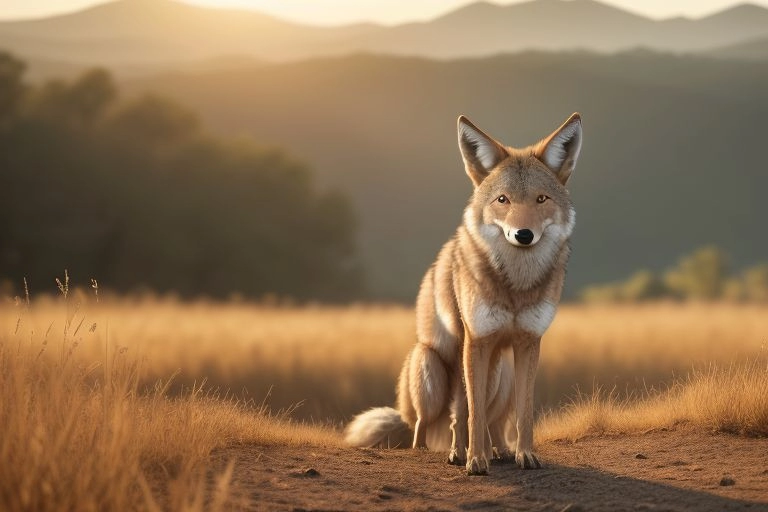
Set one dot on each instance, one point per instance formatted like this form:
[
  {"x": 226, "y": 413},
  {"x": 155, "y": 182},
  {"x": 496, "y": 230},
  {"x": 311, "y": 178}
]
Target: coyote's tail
[{"x": 380, "y": 427}]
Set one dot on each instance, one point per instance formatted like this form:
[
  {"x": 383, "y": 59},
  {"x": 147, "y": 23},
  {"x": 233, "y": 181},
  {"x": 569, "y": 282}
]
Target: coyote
[{"x": 495, "y": 285}]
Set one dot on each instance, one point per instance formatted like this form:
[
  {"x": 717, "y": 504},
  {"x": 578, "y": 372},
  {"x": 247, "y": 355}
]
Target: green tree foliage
[
  {"x": 138, "y": 195},
  {"x": 154, "y": 121},
  {"x": 701, "y": 275},
  {"x": 755, "y": 281},
  {"x": 751, "y": 285},
  {"x": 644, "y": 285}
]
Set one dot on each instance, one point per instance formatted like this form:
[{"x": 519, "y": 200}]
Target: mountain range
[{"x": 134, "y": 36}]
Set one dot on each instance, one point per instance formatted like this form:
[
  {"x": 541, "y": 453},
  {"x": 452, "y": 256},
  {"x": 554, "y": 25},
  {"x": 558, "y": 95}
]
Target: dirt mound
[{"x": 660, "y": 470}]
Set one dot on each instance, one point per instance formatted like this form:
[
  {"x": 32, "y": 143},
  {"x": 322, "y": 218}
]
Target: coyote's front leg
[
  {"x": 477, "y": 357},
  {"x": 526, "y": 361},
  {"x": 459, "y": 418},
  {"x": 500, "y": 410}
]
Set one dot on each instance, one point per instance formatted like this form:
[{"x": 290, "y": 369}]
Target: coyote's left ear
[{"x": 560, "y": 150}]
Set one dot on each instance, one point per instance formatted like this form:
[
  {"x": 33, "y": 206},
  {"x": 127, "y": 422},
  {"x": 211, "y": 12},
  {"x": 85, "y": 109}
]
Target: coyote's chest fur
[
  {"x": 486, "y": 295},
  {"x": 533, "y": 320}
]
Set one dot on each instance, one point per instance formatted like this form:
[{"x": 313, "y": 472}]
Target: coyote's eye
[
  {"x": 541, "y": 198},
  {"x": 502, "y": 199}
]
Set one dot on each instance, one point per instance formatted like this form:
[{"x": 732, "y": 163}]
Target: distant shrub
[
  {"x": 701, "y": 275},
  {"x": 755, "y": 281}
]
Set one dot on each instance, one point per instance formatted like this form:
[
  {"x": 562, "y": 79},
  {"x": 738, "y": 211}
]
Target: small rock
[
  {"x": 726, "y": 480},
  {"x": 641, "y": 456},
  {"x": 383, "y": 496},
  {"x": 311, "y": 472}
]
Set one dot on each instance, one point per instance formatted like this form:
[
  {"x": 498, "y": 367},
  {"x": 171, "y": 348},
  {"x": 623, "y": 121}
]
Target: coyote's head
[{"x": 520, "y": 199}]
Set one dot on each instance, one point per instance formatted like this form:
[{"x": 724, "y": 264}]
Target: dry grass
[
  {"x": 662, "y": 365},
  {"x": 636, "y": 349},
  {"x": 320, "y": 357},
  {"x": 78, "y": 433},
  {"x": 337, "y": 361},
  {"x": 325, "y": 356},
  {"x": 78, "y": 385},
  {"x": 731, "y": 399}
]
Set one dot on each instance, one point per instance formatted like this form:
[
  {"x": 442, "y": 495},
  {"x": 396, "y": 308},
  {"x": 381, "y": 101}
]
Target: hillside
[
  {"x": 754, "y": 49},
  {"x": 673, "y": 155},
  {"x": 141, "y": 36}
]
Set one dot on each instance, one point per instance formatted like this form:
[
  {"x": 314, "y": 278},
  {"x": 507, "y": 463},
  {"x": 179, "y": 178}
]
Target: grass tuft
[{"x": 732, "y": 399}]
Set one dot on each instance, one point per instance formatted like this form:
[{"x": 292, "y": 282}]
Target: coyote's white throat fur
[{"x": 494, "y": 286}]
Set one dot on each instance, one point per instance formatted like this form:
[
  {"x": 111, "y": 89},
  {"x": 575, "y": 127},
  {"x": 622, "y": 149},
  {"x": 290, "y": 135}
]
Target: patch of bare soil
[{"x": 660, "y": 470}]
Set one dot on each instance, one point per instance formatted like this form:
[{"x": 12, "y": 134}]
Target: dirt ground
[{"x": 660, "y": 470}]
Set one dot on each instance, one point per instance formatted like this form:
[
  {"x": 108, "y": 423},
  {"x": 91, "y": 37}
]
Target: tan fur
[{"x": 494, "y": 286}]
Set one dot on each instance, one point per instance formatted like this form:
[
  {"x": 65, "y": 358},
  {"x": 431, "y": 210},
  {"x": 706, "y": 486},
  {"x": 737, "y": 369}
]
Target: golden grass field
[{"x": 158, "y": 385}]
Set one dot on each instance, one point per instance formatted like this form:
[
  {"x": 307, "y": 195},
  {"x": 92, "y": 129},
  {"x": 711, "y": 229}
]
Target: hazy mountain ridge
[
  {"x": 672, "y": 154},
  {"x": 153, "y": 34},
  {"x": 157, "y": 34},
  {"x": 754, "y": 49}
]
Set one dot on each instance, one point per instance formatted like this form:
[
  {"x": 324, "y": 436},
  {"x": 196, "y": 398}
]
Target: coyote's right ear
[
  {"x": 560, "y": 151},
  {"x": 480, "y": 152}
]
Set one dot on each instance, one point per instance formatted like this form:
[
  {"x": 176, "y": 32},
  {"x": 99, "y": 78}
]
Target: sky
[{"x": 333, "y": 12}]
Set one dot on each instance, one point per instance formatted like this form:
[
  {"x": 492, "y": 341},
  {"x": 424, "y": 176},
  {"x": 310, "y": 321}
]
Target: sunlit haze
[{"x": 330, "y": 12}]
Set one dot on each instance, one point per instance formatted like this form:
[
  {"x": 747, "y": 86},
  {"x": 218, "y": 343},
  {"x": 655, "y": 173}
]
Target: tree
[
  {"x": 700, "y": 275},
  {"x": 90, "y": 95},
  {"x": 154, "y": 121},
  {"x": 11, "y": 88},
  {"x": 78, "y": 104},
  {"x": 138, "y": 195},
  {"x": 643, "y": 285},
  {"x": 755, "y": 281}
]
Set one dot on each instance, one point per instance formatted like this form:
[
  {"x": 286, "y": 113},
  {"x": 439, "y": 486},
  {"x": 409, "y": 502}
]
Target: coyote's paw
[
  {"x": 477, "y": 465},
  {"x": 503, "y": 455},
  {"x": 527, "y": 460},
  {"x": 456, "y": 459}
]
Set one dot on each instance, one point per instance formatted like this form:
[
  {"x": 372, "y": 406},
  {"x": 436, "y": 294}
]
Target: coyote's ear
[
  {"x": 480, "y": 152},
  {"x": 560, "y": 150}
]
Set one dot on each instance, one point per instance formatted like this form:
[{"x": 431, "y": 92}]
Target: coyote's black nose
[{"x": 524, "y": 236}]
